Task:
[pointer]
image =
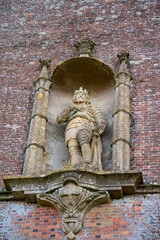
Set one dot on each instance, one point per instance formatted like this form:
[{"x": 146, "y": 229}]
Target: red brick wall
[
  {"x": 131, "y": 218},
  {"x": 34, "y": 29}
]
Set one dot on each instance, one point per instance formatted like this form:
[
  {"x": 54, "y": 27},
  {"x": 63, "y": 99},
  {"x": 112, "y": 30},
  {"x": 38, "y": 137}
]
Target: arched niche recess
[{"x": 69, "y": 76}]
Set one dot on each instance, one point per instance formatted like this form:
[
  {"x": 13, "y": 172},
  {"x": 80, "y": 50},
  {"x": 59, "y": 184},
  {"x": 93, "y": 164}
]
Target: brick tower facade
[{"x": 33, "y": 30}]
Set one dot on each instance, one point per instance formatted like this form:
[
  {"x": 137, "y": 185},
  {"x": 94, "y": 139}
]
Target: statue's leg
[
  {"x": 84, "y": 138},
  {"x": 74, "y": 150}
]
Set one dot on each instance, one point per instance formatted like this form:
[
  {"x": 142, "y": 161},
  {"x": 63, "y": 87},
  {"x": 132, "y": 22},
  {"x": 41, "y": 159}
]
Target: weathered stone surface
[
  {"x": 33, "y": 160},
  {"x": 122, "y": 98},
  {"x": 121, "y": 155},
  {"x": 35, "y": 148},
  {"x": 25, "y": 187},
  {"x": 121, "y": 126},
  {"x": 121, "y": 116},
  {"x": 37, "y": 129},
  {"x": 41, "y": 97}
]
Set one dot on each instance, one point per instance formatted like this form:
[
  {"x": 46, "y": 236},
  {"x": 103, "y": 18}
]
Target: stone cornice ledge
[{"x": 117, "y": 184}]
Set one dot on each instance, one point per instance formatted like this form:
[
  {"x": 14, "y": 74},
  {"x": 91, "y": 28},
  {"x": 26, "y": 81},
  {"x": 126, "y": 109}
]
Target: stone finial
[
  {"x": 123, "y": 60},
  {"x": 45, "y": 65},
  {"x": 123, "y": 57},
  {"x": 85, "y": 47},
  {"x": 45, "y": 62}
]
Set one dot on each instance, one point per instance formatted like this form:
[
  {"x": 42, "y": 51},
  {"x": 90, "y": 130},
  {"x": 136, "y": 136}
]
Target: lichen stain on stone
[
  {"x": 100, "y": 60},
  {"x": 40, "y": 95}
]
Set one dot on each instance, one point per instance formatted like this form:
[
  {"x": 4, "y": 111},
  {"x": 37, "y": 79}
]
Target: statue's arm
[
  {"x": 63, "y": 116},
  {"x": 101, "y": 122}
]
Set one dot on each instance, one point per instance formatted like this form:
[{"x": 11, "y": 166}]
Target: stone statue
[{"x": 85, "y": 123}]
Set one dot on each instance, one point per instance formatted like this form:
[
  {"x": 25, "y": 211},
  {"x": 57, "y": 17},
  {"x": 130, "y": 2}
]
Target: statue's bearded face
[{"x": 80, "y": 97}]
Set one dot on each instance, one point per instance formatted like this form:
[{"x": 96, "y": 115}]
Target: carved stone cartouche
[
  {"x": 85, "y": 123},
  {"x": 73, "y": 202}
]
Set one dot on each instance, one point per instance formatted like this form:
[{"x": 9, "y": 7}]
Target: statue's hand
[
  {"x": 95, "y": 134},
  {"x": 75, "y": 107},
  {"x": 100, "y": 129},
  {"x": 63, "y": 116},
  {"x": 81, "y": 108},
  {"x": 71, "y": 108}
]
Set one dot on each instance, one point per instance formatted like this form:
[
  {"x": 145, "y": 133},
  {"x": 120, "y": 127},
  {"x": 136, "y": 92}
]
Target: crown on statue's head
[{"x": 81, "y": 90}]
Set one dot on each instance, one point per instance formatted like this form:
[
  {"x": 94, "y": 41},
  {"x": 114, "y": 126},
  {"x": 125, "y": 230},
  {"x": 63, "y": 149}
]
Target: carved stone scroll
[
  {"x": 121, "y": 117},
  {"x": 36, "y": 139}
]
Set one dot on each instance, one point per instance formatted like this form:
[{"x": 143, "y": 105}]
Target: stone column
[
  {"x": 35, "y": 144},
  {"x": 121, "y": 117}
]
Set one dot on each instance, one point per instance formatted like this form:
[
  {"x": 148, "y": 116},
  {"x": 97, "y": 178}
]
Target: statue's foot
[
  {"x": 75, "y": 160},
  {"x": 87, "y": 165},
  {"x": 88, "y": 161},
  {"x": 90, "y": 166}
]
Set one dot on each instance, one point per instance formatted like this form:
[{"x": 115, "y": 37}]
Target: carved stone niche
[
  {"x": 48, "y": 178},
  {"x": 97, "y": 78}
]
